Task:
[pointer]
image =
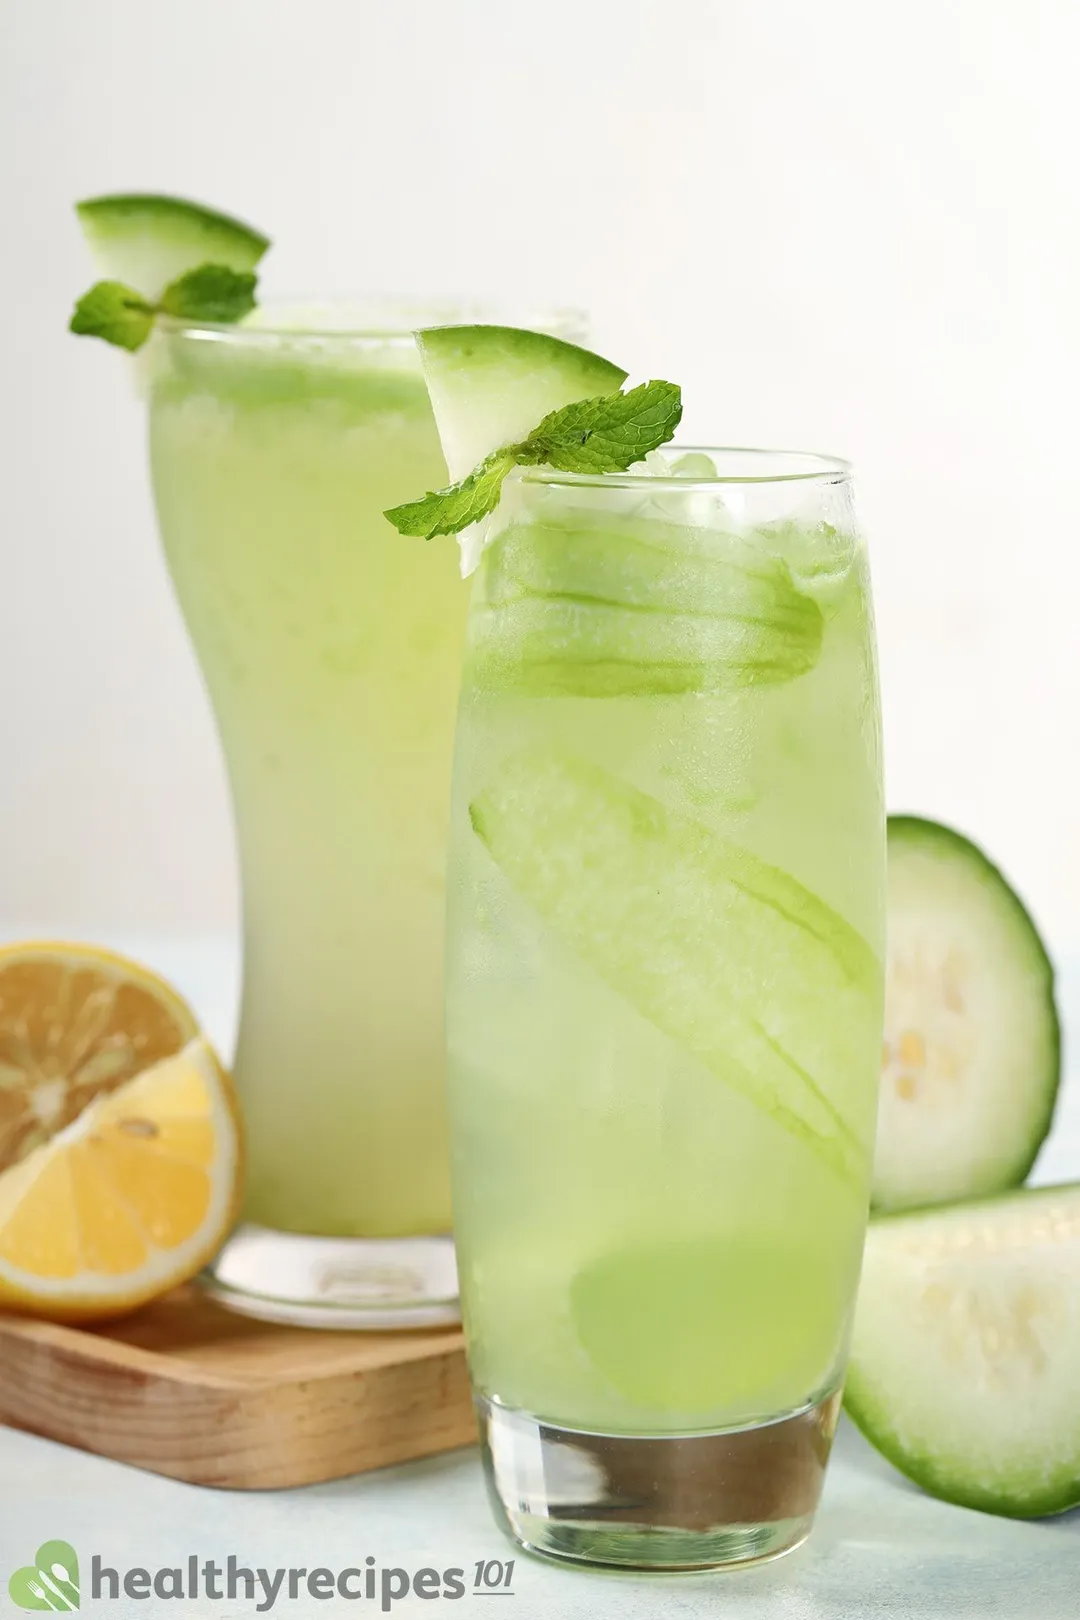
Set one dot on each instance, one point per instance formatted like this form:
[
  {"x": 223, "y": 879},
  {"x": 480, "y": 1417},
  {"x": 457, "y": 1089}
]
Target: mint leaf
[
  {"x": 607, "y": 434},
  {"x": 120, "y": 315},
  {"x": 114, "y": 312},
  {"x": 213, "y": 292},
  {"x": 447, "y": 511}
]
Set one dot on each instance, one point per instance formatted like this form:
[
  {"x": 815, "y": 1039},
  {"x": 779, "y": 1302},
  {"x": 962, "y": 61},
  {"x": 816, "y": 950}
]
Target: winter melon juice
[
  {"x": 331, "y": 649},
  {"x": 665, "y": 966}
]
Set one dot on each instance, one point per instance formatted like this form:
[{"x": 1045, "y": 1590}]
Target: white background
[{"x": 841, "y": 225}]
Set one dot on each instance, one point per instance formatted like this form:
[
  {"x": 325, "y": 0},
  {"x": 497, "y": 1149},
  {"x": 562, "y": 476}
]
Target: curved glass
[
  {"x": 664, "y": 1006},
  {"x": 331, "y": 649}
]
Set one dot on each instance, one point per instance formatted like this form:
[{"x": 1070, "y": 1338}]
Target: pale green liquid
[
  {"x": 648, "y": 1239},
  {"x": 331, "y": 648}
]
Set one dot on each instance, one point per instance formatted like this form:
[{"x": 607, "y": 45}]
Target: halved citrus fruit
[
  {"x": 119, "y": 1135},
  {"x": 75, "y": 1021},
  {"x": 128, "y": 1200}
]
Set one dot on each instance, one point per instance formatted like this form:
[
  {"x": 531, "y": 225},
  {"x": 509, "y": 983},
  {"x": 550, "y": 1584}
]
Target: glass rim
[
  {"x": 815, "y": 468},
  {"x": 386, "y": 321}
]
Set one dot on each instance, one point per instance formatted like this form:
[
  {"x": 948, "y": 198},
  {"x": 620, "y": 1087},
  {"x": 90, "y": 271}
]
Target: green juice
[
  {"x": 331, "y": 648},
  {"x": 665, "y": 967}
]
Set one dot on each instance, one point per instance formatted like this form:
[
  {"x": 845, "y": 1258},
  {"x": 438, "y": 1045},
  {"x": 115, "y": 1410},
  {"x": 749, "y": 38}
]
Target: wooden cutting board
[{"x": 187, "y": 1389}]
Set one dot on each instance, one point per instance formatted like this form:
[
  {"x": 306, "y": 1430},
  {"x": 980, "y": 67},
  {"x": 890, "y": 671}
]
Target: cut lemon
[
  {"x": 75, "y": 1022},
  {"x": 129, "y": 1199}
]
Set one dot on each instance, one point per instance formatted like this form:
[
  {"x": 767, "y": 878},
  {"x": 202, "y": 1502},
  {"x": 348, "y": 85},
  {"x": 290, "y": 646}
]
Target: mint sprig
[
  {"x": 122, "y": 316},
  {"x": 212, "y": 292},
  {"x": 606, "y": 434},
  {"x": 448, "y": 511},
  {"x": 116, "y": 313}
]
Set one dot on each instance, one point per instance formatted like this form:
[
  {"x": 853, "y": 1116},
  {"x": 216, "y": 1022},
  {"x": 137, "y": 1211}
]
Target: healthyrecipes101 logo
[{"x": 51, "y": 1582}]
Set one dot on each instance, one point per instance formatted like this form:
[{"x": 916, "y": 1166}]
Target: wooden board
[{"x": 187, "y": 1389}]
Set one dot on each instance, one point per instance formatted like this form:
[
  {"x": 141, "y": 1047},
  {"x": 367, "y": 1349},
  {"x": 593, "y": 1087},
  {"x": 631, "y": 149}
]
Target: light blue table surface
[{"x": 881, "y": 1550}]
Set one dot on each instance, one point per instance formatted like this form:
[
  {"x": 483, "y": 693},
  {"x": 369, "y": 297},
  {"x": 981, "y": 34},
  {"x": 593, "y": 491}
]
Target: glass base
[
  {"x": 694, "y": 1501},
  {"x": 377, "y": 1283}
]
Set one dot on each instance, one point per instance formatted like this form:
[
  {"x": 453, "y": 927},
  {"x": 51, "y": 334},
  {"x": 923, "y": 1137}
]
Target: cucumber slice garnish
[
  {"x": 965, "y": 1362},
  {"x": 148, "y": 241},
  {"x": 491, "y": 385},
  {"x": 972, "y": 1054}
]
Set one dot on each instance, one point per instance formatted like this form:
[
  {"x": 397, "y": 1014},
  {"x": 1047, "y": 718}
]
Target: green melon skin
[
  {"x": 972, "y": 1053},
  {"x": 965, "y": 1357},
  {"x": 492, "y": 385},
  {"x": 146, "y": 240}
]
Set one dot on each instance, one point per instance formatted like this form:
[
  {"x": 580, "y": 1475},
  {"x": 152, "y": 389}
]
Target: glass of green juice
[
  {"x": 331, "y": 650},
  {"x": 665, "y": 981}
]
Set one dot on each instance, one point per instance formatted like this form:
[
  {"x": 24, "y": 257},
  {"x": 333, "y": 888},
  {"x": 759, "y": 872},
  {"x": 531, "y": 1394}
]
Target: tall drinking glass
[
  {"x": 331, "y": 649},
  {"x": 665, "y": 1001}
]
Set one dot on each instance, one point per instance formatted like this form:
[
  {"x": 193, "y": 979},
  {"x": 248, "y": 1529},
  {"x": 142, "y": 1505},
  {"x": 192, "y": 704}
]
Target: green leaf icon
[{"x": 51, "y": 1582}]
